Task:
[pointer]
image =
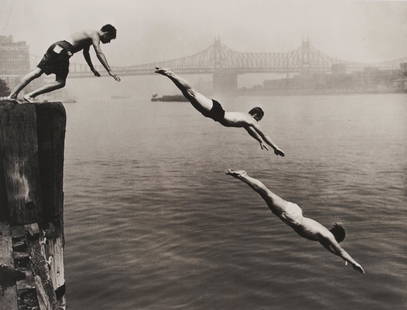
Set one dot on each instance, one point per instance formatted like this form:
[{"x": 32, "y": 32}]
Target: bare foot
[
  {"x": 162, "y": 71},
  {"x": 28, "y": 99},
  {"x": 12, "y": 99},
  {"x": 236, "y": 173}
]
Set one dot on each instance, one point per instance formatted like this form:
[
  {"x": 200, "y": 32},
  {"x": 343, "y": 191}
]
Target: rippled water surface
[{"x": 152, "y": 222}]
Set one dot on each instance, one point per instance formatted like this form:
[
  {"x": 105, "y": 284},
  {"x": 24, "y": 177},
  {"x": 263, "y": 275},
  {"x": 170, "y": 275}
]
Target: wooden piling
[{"x": 31, "y": 206}]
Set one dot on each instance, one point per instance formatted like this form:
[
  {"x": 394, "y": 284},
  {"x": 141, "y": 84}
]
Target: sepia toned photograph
[{"x": 202, "y": 155}]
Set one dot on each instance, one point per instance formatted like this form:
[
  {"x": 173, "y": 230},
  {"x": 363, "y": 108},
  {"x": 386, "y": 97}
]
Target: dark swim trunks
[
  {"x": 216, "y": 113},
  {"x": 56, "y": 59}
]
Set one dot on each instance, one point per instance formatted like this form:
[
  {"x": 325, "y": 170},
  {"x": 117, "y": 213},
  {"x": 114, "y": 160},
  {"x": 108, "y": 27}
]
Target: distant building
[
  {"x": 371, "y": 79},
  {"x": 403, "y": 67},
  {"x": 338, "y": 68},
  {"x": 14, "y": 60},
  {"x": 14, "y": 57}
]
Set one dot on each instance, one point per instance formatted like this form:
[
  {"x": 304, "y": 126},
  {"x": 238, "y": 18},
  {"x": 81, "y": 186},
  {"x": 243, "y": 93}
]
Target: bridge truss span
[{"x": 220, "y": 58}]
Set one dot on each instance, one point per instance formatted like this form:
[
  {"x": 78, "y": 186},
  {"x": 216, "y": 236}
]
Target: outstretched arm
[
  {"x": 101, "y": 56},
  {"x": 270, "y": 198},
  {"x": 267, "y": 139},
  {"x": 256, "y": 136},
  {"x": 89, "y": 61},
  {"x": 333, "y": 246}
]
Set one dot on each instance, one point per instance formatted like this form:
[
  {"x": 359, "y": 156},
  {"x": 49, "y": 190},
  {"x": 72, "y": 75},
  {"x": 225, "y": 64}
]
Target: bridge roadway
[
  {"x": 124, "y": 71},
  {"x": 220, "y": 59}
]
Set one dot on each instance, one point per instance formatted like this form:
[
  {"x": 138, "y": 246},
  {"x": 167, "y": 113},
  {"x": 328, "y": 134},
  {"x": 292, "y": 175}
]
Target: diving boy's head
[
  {"x": 338, "y": 231},
  {"x": 257, "y": 113},
  {"x": 107, "y": 33}
]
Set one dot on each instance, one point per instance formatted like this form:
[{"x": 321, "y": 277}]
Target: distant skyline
[{"x": 154, "y": 30}]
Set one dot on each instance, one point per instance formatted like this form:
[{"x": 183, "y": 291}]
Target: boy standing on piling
[{"x": 56, "y": 60}]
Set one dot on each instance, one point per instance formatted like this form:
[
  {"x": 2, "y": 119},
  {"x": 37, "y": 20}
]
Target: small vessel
[
  {"x": 120, "y": 97},
  {"x": 155, "y": 97}
]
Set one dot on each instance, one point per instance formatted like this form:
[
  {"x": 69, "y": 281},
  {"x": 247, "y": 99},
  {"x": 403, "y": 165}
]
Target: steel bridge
[
  {"x": 226, "y": 64},
  {"x": 220, "y": 58}
]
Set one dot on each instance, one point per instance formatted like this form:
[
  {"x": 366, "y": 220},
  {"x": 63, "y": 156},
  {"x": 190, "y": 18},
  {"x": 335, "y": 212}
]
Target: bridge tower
[
  {"x": 224, "y": 80},
  {"x": 305, "y": 56}
]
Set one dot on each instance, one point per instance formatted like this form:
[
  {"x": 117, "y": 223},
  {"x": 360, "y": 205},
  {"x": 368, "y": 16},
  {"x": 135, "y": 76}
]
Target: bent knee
[
  {"x": 190, "y": 93},
  {"x": 37, "y": 73},
  {"x": 197, "y": 97}
]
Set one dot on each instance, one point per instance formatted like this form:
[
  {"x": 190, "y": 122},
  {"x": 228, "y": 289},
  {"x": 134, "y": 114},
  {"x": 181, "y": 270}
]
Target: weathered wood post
[{"x": 31, "y": 206}]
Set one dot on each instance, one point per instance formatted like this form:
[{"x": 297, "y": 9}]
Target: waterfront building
[
  {"x": 14, "y": 57},
  {"x": 14, "y": 60}
]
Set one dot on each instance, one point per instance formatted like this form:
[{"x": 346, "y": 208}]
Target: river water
[{"x": 152, "y": 221}]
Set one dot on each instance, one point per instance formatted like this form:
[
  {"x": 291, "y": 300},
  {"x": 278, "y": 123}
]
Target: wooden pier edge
[{"x": 32, "y": 139}]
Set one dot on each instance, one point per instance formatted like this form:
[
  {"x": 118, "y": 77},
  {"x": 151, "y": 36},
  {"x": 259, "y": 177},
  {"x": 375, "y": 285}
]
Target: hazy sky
[{"x": 150, "y": 30}]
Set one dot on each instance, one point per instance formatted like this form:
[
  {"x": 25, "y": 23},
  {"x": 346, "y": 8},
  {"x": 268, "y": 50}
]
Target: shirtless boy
[
  {"x": 291, "y": 214},
  {"x": 213, "y": 109},
  {"x": 56, "y": 60}
]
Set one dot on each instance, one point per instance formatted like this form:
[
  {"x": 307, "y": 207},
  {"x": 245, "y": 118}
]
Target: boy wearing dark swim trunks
[
  {"x": 56, "y": 60},
  {"x": 213, "y": 109}
]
